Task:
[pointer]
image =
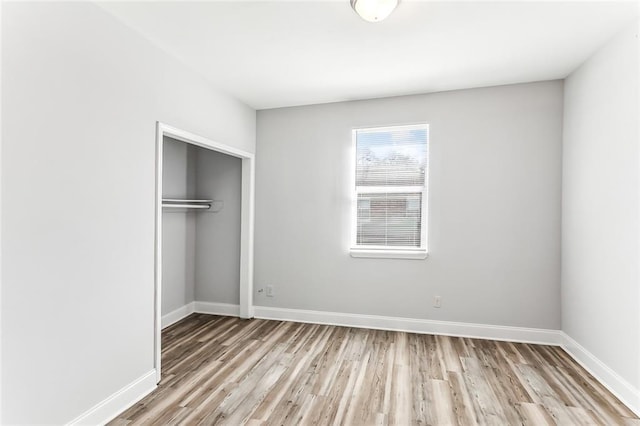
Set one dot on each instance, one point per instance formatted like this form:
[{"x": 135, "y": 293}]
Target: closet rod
[
  {"x": 187, "y": 206},
  {"x": 182, "y": 200}
]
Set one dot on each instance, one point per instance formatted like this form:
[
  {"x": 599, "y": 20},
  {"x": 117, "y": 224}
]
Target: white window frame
[{"x": 389, "y": 252}]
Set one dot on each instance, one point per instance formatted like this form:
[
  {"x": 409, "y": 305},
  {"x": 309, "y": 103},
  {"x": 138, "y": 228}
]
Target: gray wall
[
  {"x": 81, "y": 93},
  {"x": 219, "y": 176},
  {"x": 494, "y": 219},
  {"x": 600, "y": 222},
  {"x": 178, "y": 226}
]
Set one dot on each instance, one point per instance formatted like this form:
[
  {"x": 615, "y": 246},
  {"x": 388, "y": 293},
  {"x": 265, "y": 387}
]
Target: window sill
[{"x": 389, "y": 254}]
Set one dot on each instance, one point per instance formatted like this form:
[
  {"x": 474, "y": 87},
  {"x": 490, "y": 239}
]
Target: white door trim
[{"x": 246, "y": 225}]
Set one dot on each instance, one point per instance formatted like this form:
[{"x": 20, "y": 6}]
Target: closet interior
[{"x": 201, "y": 217}]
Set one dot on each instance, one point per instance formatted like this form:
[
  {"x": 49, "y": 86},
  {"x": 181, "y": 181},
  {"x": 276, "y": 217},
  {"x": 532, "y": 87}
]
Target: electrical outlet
[
  {"x": 437, "y": 301},
  {"x": 269, "y": 291}
]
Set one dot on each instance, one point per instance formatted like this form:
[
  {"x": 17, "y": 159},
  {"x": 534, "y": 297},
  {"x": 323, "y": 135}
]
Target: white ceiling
[{"x": 282, "y": 53}]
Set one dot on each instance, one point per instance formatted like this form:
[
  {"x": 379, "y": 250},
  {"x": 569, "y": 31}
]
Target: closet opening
[{"x": 204, "y": 208}]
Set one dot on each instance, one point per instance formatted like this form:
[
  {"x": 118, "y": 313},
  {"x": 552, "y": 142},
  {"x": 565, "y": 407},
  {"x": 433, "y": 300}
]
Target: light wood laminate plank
[{"x": 228, "y": 371}]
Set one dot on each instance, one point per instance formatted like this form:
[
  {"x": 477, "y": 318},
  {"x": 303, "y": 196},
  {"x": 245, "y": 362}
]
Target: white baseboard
[
  {"x": 178, "y": 314},
  {"x": 225, "y": 309},
  {"x": 108, "y": 409},
  {"x": 478, "y": 331},
  {"x": 617, "y": 385},
  {"x": 448, "y": 328}
]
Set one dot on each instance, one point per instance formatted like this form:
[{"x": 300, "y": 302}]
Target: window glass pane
[
  {"x": 391, "y": 157},
  {"x": 391, "y": 219},
  {"x": 364, "y": 209}
]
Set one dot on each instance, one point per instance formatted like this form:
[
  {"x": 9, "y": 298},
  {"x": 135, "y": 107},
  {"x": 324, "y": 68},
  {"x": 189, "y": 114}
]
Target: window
[{"x": 390, "y": 192}]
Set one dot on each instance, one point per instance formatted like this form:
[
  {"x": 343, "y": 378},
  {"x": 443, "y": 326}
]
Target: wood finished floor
[{"x": 223, "y": 370}]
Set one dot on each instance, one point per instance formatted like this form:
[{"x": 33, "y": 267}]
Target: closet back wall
[
  {"x": 218, "y": 234},
  {"x": 494, "y": 212}
]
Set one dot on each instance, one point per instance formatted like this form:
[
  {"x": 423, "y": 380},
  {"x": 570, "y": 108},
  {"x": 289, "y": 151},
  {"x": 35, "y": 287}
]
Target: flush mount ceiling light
[{"x": 374, "y": 10}]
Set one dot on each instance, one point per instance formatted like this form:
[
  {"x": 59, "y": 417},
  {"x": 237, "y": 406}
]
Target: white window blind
[{"x": 390, "y": 188}]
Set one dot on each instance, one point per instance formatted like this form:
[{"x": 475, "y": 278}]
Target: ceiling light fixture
[{"x": 374, "y": 10}]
